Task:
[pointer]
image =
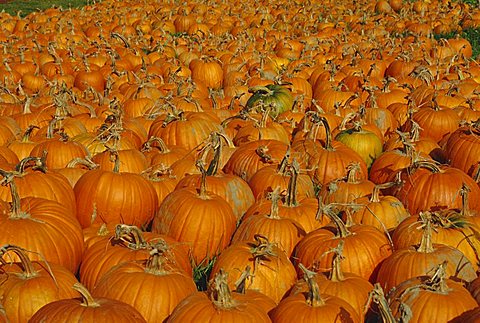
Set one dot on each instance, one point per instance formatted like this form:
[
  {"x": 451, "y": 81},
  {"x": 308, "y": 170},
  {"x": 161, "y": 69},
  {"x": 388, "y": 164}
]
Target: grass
[{"x": 27, "y": 6}]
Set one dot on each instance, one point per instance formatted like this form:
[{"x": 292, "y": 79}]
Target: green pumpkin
[
  {"x": 275, "y": 97},
  {"x": 364, "y": 142}
]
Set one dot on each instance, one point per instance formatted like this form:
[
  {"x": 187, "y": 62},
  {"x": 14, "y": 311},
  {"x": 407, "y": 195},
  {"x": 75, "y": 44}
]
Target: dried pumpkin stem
[
  {"x": 313, "y": 299},
  {"x": 328, "y": 133},
  {"x": 426, "y": 244},
  {"x": 131, "y": 235},
  {"x": 291, "y": 199},
  {"x": 336, "y": 274},
  {"x": 220, "y": 293},
  {"x": 87, "y": 298},
  {"x": 240, "y": 284},
  {"x": 377, "y": 296},
  {"x": 27, "y": 265}
]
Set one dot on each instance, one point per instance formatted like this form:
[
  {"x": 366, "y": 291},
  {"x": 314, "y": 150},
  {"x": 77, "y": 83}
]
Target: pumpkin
[
  {"x": 28, "y": 285},
  {"x": 283, "y": 231},
  {"x": 273, "y": 98},
  {"x": 219, "y": 305},
  {"x": 87, "y": 309},
  {"x": 188, "y": 215},
  {"x": 350, "y": 287},
  {"x": 273, "y": 274},
  {"x": 100, "y": 197},
  {"x": 139, "y": 284},
  {"x": 365, "y": 247},
  {"x": 444, "y": 298},
  {"x": 42, "y": 226},
  {"x": 128, "y": 243},
  {"x": 312, "y": 306},
  {"x": 410, "y": 262}
]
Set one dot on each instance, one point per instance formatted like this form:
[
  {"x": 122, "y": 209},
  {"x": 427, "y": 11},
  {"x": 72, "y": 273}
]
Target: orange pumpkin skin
[
  {"x": 463, "y": 149},
  {"x": 105, "y": 196},
  {"x": 154, "y": 294},
  {"x": 406, "y": 263},
  {"x": 435, "y": 188},
  {"x": 250, "y": 157},
  {"x": 73, "y": 310},
  {"x": 273, "y": 274},
  {"x": 425, "y": 305},
  {"x": 108, "y": 252},
  {"x": 205, "y": 310},
  {"x": 189, "y": 217},
  {"x": 29, "y": 285},
  {"x": 45, "y": 227},
  {"x": 334, "y": 310},
  {"x": 365, "y": 248}
]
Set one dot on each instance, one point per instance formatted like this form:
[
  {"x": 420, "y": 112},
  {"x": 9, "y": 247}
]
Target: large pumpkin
[{"x": 273, "y": 98}]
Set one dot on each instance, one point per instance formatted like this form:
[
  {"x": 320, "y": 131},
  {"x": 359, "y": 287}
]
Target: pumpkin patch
[{"x": 232, "y": 161}]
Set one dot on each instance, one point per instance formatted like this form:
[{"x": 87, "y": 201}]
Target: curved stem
[
  {"x": 375, "y": 198},
  {"x": 377, "y": 296},
  {"x": 27, "y": 265},
  {"x": 220, "y": 293},
  {"x": 240, "y": 284},
  {"x": 313, "y": 299},
  {"x": 336, "y": 274},
  {"x": 328, "y": 133},
  {"x": 147, "y": 146},
  {"x": 291, "y": 199},
  {"x": 131, "y": 235},
  {"x": 352, "y": 173},
  {"x": 87, "y": 298}
]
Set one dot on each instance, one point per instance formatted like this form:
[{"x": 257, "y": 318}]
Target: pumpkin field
[{"x": 223, "y": 161}]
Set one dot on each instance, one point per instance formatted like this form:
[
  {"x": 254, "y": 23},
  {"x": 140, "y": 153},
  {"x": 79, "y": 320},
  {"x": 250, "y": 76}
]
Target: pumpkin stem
[
  {"x": 352, "y": 173},
  {"x": 216, "y": 145},
  {"x": 331, "y": 212},
  {"x": 36, "y": 163},
  {"x": 464, "y": 192},
  {"x": 428, "y": 164},
  {"x": 328, "y": 133},
  {"x": 336, "y": 274},
  {"x": 377, "y": 296},
  {"x": 87, "y": 298},
  {"x": 313, "y": 297},
  {"x": 156, "y": 259},
  {"x": 275, "y": 198},
  {"x": 291, "y": 198},
  {"x": 375, "y": 197},
  {"x": 220, "y": 293},
  {"x": 147, "y": 146},
  {"x": 131, "y": 236},
  {"x": 240, "y": 284},
  {"x": 438, "y": 281},
  {"x": 9, "y": 179},
  {"x": 27, "y": 265},
  {"x": 87, "y": 162},
  {"x": 202, "y": 193},
  {"x": 28, "y": 133},
  {"x": 426, "y": 244}
]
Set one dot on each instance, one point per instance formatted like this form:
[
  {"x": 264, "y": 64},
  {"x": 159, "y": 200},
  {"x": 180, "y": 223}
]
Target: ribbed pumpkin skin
[
  {"x": 104, "y": 196},
  {"x": 60, "y": 153},
  {"x": 231, "y": 187},
  {"x": 22, "y": 297},
  {"x": 204, "y": 223},
  {"x": 406, "y": 235},
  {"x": 153, "y": 295},
  {"x": 50, "y": 186},
  {"x": 463, "y": 149},
  {"x": 72, "y": 310},
  {"x": 406, "y": 263},
  {"x": 429, "y": 306},
  {"x": 245, "y": 161},
  {"x": 280, "y": 96},
  {"x": 334, "y": 310},
  {"x": 273, "y": 277},
  {"x": 50, "y": 230},
  {"x": 106, "y": 253},
  {"x": 187, "y": 133},
  {"x": 364, "y": 250},
  {"x": 283, "y": 231},
  {"x": 364, "y": 142},
  {"x": 199, "y": 308},
  {"x": 424, "y": 190}
]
